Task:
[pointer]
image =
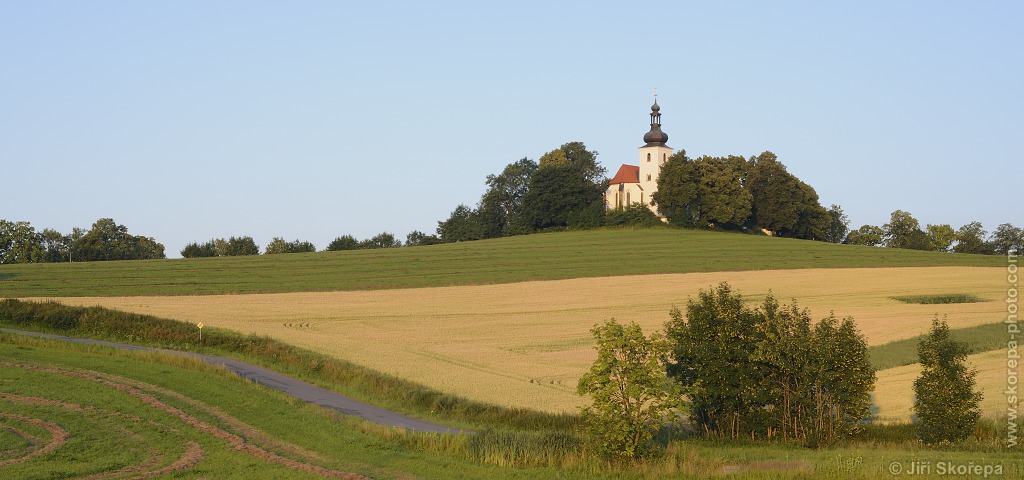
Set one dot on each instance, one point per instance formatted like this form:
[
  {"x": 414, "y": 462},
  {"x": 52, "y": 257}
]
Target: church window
[
  {"x": 664, "y": 157},
  {"x": 627, "y": 198},
  {"x": 648, "y": 157},
  {"x": 648, "y": 177}
]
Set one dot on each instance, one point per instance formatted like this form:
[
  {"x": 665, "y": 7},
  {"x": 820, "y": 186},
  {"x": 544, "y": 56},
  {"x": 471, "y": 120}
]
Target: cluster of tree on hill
[
  {"x": 565, "y": 189},
  {"x": 734, "y": 193},
  {"x": 904, "y": 231},
  {"x": 106, "y": 240},
  {"x": 759, "y": 373}
]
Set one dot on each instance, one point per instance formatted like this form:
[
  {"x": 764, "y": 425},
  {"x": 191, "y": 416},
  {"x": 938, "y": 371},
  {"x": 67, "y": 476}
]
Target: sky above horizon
[{"x": 308, "y": 120}]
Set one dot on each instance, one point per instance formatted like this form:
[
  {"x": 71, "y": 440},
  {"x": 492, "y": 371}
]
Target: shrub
[
  {"x": 634, "y": 214},
  {"x": 197, "y": 250}
]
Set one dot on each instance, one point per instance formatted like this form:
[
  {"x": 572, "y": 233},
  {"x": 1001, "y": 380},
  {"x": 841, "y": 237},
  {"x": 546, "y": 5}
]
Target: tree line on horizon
[
  {"x": 105, "y": 240},
  {"x": 565, "y": 190}
]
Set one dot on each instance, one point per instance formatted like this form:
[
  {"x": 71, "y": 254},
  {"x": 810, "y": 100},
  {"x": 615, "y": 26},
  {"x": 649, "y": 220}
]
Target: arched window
[
  {"x": 648, "y": 157},
  {"x": 627, "y": 198},
  {"x": 664, "y": 157}
]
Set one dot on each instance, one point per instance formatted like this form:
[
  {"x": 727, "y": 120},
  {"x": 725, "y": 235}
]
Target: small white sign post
[{"x": 200, "y": 325}]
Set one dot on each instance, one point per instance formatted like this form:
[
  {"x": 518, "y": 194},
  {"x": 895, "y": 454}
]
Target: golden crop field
[{"x": 526, "y": 344}]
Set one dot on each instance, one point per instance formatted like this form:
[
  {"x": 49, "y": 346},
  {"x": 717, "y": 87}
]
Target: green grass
[
  {"x": 982, "y": 338},
  {"x": 116, "y": 430},
  {"x": 939, "y": 299},
  {"x": 547, "y": 256},
  {"x": 344, "y": 377}
]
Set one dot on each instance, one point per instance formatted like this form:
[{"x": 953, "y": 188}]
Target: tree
[
  {"x": 868, "y": 235},
  {"x": 19, "y": 243},
  {"x": 381, "y": 240},
  {"x": 575, "y": 154},
  {"x": 237, "y": 246},
  {"x": 784, "y": 355},
  {"x": 107, "y": 240},
  {"x": 940, "y": 237},
  {"x": 562, "y": 196},
  {"x": 676, "y": 197},
  {"x": 461, "y": 226},
  {"x": 500, "y": 205},
  {"x": 946, "y": 403},
  {"x": 631, "y": 394},
  {"x": 721, "y": 198},
  {"x": 417, "y": 238},
  {"x": 57, "y": 246},
  {"x": 704, "y": 192},
  {"x": 841, "y": 381},
  {"x": 904, "y": 231},
  {"x": 1007, "y": 238},
  {"x": 781, "y": 203},
  {"x": 279, "y": 245},
  {"x": 838, "y": 225},
  {"x": 344, "y": 242},
  {"x": 970, "y": 238},
  {"x": 711, "y": 358},
  {"x": 813, "y": 220},
  {"x": 200, "y": 250}
]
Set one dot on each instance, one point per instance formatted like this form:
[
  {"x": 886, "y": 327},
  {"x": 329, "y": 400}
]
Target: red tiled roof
[{"x": 626, "y": 174}]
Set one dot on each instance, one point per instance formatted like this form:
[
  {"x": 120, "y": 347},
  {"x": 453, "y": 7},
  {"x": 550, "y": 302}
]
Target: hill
[{"x": 549, "y": 256}]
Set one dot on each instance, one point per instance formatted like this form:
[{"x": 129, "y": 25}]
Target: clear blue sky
[{"x": 190, "y": 120}]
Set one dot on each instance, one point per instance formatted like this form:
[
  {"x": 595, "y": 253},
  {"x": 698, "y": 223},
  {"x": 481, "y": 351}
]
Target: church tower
[
  {"x": 653, "y": 155},
  {"x": 637, "y": 184}
]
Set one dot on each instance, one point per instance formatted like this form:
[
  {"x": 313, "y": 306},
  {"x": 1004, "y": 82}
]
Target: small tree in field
[
  {"x": 631, "y": 394},
  {"x": 946, "y": 403}
]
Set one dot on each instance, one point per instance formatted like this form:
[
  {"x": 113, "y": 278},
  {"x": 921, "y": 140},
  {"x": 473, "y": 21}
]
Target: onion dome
[{"x": 655, "y": 137}]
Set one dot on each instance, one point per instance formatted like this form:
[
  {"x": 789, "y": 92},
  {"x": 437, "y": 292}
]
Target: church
[{"x": 636, "y": 184}]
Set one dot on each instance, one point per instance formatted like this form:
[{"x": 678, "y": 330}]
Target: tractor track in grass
[
  {"x": 192, "y": 452},
  {"x": 269, "y": 378}
]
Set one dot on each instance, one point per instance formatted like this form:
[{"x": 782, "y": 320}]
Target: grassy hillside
[
  {"x": 71, "y": 411},
  {"x": 534, "y": 257}
]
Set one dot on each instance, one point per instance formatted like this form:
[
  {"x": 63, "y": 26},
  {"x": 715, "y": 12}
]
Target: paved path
[{"x": 296, "y": 388}]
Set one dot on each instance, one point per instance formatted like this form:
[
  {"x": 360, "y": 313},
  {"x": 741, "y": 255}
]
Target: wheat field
[
  {"x": 894, "y": 394},
  {"x": 526, "y": 344}
]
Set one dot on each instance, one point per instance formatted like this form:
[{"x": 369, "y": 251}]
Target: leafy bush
[
  {"x": 199, "y": 250},
  {"x": 634, "y": 214},
  {"x": 344, "y": 242},
  {"x": 939, "y": 299},
  {"x": 279, "y": 245},
  {"x": 767, "y": 372}
]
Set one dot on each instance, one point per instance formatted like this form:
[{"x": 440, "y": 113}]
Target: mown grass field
[
  {"x": 549, "y": 256},
  {"x": 526, "y": 344},
  {"x": 70, "y": 411}
]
